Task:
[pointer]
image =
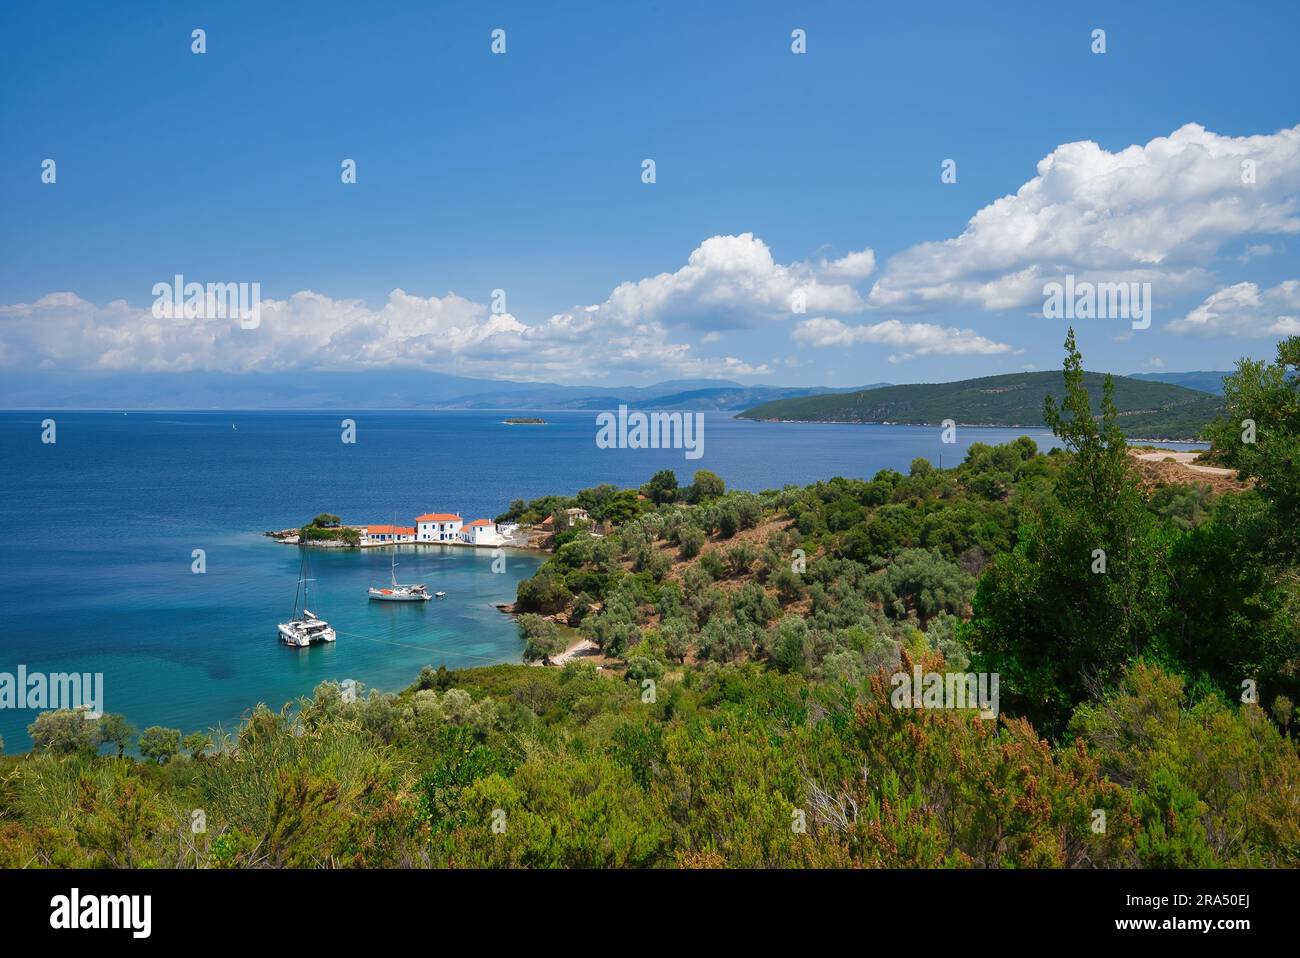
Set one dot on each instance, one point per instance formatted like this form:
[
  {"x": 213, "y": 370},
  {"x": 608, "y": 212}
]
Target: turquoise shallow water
[
  {"x": 99, "y": 528},
  {"x": 97, "y": 576},
  {"x": 189, "y": 651}
]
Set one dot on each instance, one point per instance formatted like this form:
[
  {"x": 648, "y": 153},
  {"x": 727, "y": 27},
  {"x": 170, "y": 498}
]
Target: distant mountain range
[
  {"x": 676, "y": 394},
  {"x": 1148, "y": 410},
  {"x": 379, "y": 389},
  {"x": 1205, "y": 381},
  {"x": 1153, "y": 405}
]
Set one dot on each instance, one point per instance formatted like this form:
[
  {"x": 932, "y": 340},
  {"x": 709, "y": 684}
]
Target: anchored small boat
[
  {"x": 305, "y": 627},
  {"x": 400, "y": 593}
]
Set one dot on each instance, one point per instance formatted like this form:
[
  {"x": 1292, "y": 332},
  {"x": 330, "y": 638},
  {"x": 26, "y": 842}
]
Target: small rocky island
[
  {"x": 326, "y": 530},
  {"x": 524, "y": 421}
]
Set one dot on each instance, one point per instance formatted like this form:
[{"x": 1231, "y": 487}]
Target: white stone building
[
  {"x": 481, "y": 532},
  {"x": 438, "y": 527}
]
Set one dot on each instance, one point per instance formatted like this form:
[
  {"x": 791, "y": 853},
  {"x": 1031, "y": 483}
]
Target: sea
[{"x": 101, "y": 527}]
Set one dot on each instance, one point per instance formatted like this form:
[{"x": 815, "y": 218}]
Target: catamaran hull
[
  {"x": 289, "y": 637},
  {"x": 295, "y": 638}
]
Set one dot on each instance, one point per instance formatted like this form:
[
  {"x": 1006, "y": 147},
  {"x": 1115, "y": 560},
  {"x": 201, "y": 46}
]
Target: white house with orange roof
[
  {"x": 481, "y": 532},
  {"x": 438, "y": 527},
  {"x": 389, "y": 533}
]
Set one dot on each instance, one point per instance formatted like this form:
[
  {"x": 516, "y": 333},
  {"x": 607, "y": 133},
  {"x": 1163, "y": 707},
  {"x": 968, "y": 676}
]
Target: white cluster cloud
[
  {"x": 853, "y": 267},
  {"x": 727, "y": 282},
  {"x": 913, "y": 339},
  {"x": 1157, "y": 213},
  {"x": 63, "y": 330},
  {"x": 312, "y": 331},
  {"x": 1245, "y": 310}
]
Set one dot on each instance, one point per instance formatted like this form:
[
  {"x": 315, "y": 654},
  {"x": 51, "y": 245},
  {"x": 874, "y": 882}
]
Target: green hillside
[
  {"x": 1148, "y": 410},
  {"x": 1207, "y": 381}
]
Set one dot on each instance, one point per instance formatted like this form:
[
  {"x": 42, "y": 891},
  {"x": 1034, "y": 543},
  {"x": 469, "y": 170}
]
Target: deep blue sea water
[{"x": 99, "y": 527}]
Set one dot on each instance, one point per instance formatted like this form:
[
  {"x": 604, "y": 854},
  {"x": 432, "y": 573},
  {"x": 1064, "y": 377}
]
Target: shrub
[
  {"x": 160, "y": 744},
  {"x": 542, "y": 637},
  {"x": 690, "y": 542}
]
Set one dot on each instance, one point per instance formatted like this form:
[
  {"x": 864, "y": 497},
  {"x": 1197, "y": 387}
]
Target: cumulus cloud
[
  {"x": 853, "y": 267},
  {"x": 1245, "y": 310},
  {"x": 728, "y": 282},
  {"x": 914, "y": 339},
  {"x": 733, "y": 281},
  {"x": 312, "y": 331},
  {"x": 1157, "y": 213},
  {"x": 62, "y": 330}
]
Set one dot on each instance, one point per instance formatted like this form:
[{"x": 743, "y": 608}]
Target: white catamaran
[
  {"x": 305, "y": 627},
  {"x": 400, "y": 593}
]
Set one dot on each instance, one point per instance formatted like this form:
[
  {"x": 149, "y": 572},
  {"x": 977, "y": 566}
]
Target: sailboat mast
[
  {"x": 305, "y": 578},
  {"x": 393, "y": 569},
  {"x": 297, "y": 590}
]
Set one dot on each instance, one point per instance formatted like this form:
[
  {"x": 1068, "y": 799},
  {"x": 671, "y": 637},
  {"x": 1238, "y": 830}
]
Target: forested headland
[{"x": 1145, "y": 409}]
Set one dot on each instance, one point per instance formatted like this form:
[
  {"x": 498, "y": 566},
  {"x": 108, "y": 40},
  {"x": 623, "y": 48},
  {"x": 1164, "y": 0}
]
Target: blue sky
[{"x": 522, "y": 172}]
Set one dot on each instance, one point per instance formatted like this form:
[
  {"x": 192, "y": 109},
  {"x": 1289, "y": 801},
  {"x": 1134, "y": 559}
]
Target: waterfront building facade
[
  {"x": 438, "y": 527},
  {"x": 481, "y": 532},
  {"x": 389, "y": 533}
]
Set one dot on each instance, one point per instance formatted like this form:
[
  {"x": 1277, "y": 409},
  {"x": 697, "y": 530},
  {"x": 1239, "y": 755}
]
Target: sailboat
[
  {"x": 306, "y": 626},
  {"x": 400, "y": 593}
]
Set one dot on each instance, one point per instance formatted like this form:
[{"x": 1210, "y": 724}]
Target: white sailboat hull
[
  {"x": 415, "y": 592},
  {"x": 400, "y": 594}
]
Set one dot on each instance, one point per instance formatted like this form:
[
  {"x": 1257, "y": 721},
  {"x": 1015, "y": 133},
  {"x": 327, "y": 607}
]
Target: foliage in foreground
[{"x": 732, "y": 765}]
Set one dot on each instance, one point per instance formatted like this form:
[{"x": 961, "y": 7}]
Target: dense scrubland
[{"x": 741, "y": 714}]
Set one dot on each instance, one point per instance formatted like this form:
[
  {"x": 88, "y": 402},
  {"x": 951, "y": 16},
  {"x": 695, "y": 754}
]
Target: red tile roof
[
  {"x": 478, "y": 522},
  {"x": 438, "y": 517},
  {"x": 389, "y": 531}
]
